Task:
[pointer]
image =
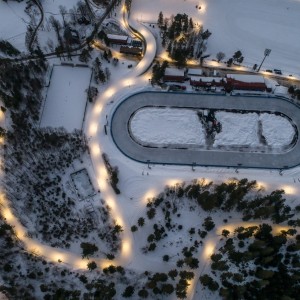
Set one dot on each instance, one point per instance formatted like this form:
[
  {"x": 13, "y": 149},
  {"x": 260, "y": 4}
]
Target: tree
[
  {"x": 180, "y": 263},
  {"x": 166, "y": 257},
  {"x": 152, "y": 247},
  {"x": 134, "y": 228},
  {"x": 143, "y": 293},
  {"x": 237, "y": 55},
  {"x": 173, "y": 273},
  {"x": 240, "y": 59},
  {"x": 88, "y": 249},
  {"x": 229, "y": 62},
  {"x": 129, "y": 291},
  {"x": 225, "y": 232},
  {"x": 206, "y": 280},
  {"x": 107, "y": 73},
  {"x": 92, "y": 265},
  {"x": 167, "y": 289},
  {"x": 85, "y": 55},
  {"x": 118, "y": 229},
  {"x": 110, "y": 256},
  {"x": 151, "y": 213},
  {"x": 192, "y": 262},
  {"x": 160, "y": 20},
  {"x": 141, "y": 222},
  {"x": 186, "y": 275},
  {"x": 208, "y": 224},
  {"x": 220, "y": 55},
  {"x": 191, "y": 24}
]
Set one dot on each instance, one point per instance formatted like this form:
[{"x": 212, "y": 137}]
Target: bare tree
[{"x": 220, "y": 55}]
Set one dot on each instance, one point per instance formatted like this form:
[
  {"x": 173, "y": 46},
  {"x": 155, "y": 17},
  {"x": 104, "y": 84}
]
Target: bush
[
  {"x": 88, "y": 249},
  {"x": 128, "y": 291}
]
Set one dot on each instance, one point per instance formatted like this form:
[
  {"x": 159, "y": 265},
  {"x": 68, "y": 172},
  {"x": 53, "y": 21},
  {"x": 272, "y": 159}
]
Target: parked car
[
  {"x": 269, "y": 71},
  {"x": 278, "y": 72},
  {"x": 177, "y": 87}
]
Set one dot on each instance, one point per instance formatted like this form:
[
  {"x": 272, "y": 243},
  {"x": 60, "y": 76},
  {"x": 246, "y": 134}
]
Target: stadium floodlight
[{"x": 266, "y": 53}]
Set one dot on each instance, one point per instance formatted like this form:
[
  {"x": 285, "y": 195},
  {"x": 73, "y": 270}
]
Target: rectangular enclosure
[{"x": 66, "y": 98}]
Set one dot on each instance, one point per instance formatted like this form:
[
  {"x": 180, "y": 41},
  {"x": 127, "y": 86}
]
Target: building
[
  {"x": 245, "y": 82},
  {"x": 172, "y": 74},
  {"x": 207, "y": 82},
  {"x": 131, "y": 50},
  {"x": 117, "y": 39},
  {"x": 194, "y": 72}
]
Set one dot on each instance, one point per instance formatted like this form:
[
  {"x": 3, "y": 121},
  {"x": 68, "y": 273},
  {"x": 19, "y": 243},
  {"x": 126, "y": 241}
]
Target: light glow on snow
[
  {"x": 209, "y": 248},
  {"x": 289, "y": 190},
  {"x": 126, "y": 247},
  {"x": 98, "y": 108},
  {"x": 96, "y": 149},
  {"x": 93, "y": 128},
  {"x": 149, "y": 195},
  {"x": 110, "y": 92}
]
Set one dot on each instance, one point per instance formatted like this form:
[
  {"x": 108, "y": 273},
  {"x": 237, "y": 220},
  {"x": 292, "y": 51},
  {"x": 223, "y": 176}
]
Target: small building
[
  {"x": 172, "y": 74},
  {"x": 206, "y": 82},
  {"x": 194, "y": 72},
  {"x": 131, "y": 50},
  {"x": 245, "y": 82},
  {"x": 117, "y": 39}
]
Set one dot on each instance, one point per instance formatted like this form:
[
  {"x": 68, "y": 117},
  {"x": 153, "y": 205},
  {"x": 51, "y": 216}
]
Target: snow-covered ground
[
  {"x": 14, "y": 22},
  {"x": 82, "y": 184},
  {"x": 167, "y": 126},
  {"x": 277, "y": 130},
  {"x": 66, "y": 98},
  {"x": 237, "y": 129},
  {"x": 249, "y": 26}
]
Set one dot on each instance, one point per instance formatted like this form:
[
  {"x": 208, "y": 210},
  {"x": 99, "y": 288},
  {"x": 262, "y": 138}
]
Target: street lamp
[{"x": 266, "y": 53}]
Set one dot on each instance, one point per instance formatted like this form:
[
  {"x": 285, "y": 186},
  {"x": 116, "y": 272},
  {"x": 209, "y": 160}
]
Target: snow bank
[
  {"x": 237, "y": 129},
  {"x": 167, "y": 126},
  {"x": 277, "y": 130}
]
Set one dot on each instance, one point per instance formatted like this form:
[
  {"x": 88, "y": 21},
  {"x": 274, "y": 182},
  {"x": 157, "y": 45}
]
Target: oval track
[{"x": 125, "y": 143}]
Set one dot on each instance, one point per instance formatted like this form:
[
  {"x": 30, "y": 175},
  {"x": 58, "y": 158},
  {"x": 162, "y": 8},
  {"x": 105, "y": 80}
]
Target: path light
[
  {"x": 126, "y": 247},
  {"x": 95, "y": 149},
  {"x": 93, "y": 128},
  {"x": 209, "y": 248},
  {"x": 149, "y": 195},
  {"x": 289, "y": 190}
]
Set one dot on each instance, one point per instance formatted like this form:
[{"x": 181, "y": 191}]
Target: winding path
[
  {"x": 94, "y": 129},
  {"x": 38, "y": 4}
]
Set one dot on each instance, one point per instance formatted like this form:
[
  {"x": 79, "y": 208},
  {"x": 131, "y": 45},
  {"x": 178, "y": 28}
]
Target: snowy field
[
  {"x": 278, "y": 131},
  {"x": 165, "y": 126},
  {"x": 14, "y": 23},
  {"x": 237, "y": 129},
  {"x": 249, "y": 26},
  {"x": 243, "y": 130},
  {"x": 66, "y": 98}
]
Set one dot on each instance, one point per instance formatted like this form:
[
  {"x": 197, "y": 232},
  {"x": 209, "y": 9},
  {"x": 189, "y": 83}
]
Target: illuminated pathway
[
  {"x": 94, "y": 129},
  {"x": 99, "y": 142}
]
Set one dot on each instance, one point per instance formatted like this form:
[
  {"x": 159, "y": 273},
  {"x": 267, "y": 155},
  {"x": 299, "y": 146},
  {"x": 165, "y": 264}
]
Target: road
[{"x": 203, "y": 157}]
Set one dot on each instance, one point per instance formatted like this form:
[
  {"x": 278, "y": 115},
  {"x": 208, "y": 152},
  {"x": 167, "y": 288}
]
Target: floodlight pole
[{"x": 266, "y": 53}]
